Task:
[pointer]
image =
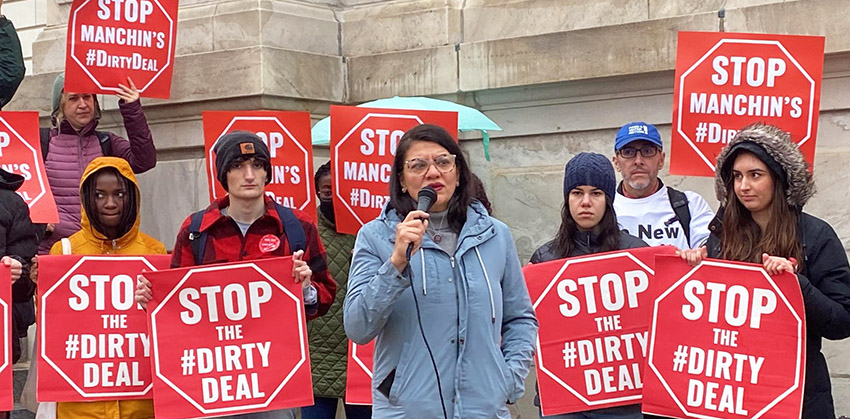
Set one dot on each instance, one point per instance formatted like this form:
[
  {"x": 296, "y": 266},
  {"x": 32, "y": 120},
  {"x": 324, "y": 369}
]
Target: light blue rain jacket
[{"x": 475, "y": 311}]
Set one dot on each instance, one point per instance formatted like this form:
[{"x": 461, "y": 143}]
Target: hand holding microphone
[{"x": 409, "y": 232}]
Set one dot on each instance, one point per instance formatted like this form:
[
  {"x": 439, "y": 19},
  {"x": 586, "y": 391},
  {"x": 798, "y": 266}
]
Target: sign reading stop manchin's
[
  {"x": 358, "y": 373},
  {"x": 110, "y": 40},
  {"x": 229, "y": 339},
  {"x": 287, "y": 135},
  {"x": 726, "y": 81},
  {"x": 20, "y": 153},
  {"x": 93, "y": 339},
  {"x": 7, "y": 401},
  {"x": 594, "y": 317},
  {"x": 363, "y": 145},
  {"x": 727, "y": 340}
]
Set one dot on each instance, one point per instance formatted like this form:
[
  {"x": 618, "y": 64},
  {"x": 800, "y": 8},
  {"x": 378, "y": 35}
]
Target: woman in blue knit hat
[{"x": 588, "y": 226}]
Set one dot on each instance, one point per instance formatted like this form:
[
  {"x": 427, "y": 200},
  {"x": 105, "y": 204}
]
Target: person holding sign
[
  {"x": 246, "y": 224},
  {"x": 762, "y": 183},
  {"x": 588, "y": 226},
  {"x": 442, "y": 293},
  {"x": 73, "y": 143},
  {"x": 18, "y": 243},
  {"x": 110, "y": 225}
]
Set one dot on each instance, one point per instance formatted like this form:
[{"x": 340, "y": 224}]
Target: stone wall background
[{"x": 560, "y": 76}]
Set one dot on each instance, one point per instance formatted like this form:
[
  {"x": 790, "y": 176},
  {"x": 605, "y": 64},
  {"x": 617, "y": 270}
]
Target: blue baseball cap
[{"x": 634, "y": 131}]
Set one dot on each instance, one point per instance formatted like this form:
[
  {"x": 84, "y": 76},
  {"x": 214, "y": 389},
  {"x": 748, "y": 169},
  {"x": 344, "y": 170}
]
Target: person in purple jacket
[{"x": 74, "y": 143}]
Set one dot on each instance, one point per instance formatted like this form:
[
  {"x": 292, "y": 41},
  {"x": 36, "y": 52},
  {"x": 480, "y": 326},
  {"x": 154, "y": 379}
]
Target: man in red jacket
[{"x": 245, "y": 224}]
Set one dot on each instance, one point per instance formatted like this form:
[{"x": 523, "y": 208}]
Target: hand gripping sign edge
[
  {"x": 650, "y": 357},
  {"x": 781, "y": 47},
  {"x": 36, "y": 162},
  {"x": 116, "y": 89},
  {"x": 336, "y": 159},
  {"x": 538, "y": 346},
  {"x": 271, "y": 397},
  {"x": 276, "y": 120},
  {"x": 43, "y": 323}
]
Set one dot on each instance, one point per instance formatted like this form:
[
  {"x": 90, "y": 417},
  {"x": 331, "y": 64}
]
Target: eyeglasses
[
  {"x": 631, "y": 152},
  {"x": 445, "y": 163}
]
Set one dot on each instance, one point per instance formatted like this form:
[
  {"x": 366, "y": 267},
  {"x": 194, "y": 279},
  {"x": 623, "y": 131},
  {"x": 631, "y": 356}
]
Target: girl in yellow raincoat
[{"x": 110, "y": 199}]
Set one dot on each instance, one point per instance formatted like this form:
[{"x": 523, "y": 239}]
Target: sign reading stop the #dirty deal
[
  {"x": 93, "y": 338},
  {"x": 594, "y": 317},
  {"x": 727, "y": 340},
  {"x": 358, "y": 373},
  {"x": 363, "y": 144},
  {"x": 287, "y": 135},
  {"x": 110, "y": 40},
  {"x": 7, "y": 401},
  {"x": 20, "y": 153},
  {"x": 726, "y": 81},
  {"x": 229, "y": 339}
]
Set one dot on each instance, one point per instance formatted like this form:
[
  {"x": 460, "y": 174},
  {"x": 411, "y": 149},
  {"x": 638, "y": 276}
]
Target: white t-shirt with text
[{"x": 652, "y": 219}]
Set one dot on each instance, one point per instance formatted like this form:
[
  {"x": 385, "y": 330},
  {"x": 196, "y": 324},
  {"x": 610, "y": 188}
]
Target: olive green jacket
[{"x": 328, "y": 343}]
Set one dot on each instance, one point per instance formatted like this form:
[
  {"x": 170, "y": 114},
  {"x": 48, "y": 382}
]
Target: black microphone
[{"x": 427, "y": 198}]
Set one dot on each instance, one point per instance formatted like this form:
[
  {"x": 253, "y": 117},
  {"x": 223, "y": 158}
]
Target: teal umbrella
[{"x": 468, "y": 119}]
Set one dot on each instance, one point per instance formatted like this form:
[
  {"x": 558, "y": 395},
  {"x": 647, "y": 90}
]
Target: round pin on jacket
[{"x": 269, "y": 243}]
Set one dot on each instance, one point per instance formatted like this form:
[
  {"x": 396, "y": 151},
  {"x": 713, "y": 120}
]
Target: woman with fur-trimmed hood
[{"x": 762, "y": 183}]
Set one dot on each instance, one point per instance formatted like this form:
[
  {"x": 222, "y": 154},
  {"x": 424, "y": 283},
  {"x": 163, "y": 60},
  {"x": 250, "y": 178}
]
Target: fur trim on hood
[{"x": 776, "y": 144}]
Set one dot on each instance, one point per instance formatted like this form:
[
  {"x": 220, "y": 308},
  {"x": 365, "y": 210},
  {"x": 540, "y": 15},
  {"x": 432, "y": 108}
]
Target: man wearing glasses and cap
[{"x": 648, "y": 209}]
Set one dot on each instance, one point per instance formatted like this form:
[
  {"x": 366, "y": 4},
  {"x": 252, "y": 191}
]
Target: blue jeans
[{"x": 325, "y": 408}]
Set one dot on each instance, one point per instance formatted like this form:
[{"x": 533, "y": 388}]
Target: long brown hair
[{"x": 744, "y": 241}]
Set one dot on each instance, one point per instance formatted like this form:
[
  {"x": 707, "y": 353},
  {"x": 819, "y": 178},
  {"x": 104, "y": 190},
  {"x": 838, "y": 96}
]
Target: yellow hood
[{"x": 124, "y": 169}]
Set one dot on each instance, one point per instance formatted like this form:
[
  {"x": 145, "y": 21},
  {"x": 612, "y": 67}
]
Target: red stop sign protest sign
[
  {"x": 229, "y": 339},
  {"x": 725, "y": 81},
  {"x": 20, "y": 153},
  {"x": 743, "y": 354},
  {"x": 358, "y": 373},
  {"x": 287, "y": 135},
  {"x": 363, "y": 144},
  {"x": 110, "y": 40},
  {"x": 597, "y": 361},
  {"x": 93, "y": 337},
  {"x": 7, "y": 401}
]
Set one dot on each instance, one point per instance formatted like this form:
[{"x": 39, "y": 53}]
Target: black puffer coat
[
  {"x": 17, "y": 240},
  {"x": 587, "y": 243}
]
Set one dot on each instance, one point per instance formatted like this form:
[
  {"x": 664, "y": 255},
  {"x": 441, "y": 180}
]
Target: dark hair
[
  {"x": 267, "y": 165},
  {"x": 88, "y": 192},
  {"x": 403, "y": 203},
  {"x": 324, "y": 169},
  {"x": 743, "y": 240},
  {"x": 609, "y": 230},
  {"x": 479, "y": 192}
]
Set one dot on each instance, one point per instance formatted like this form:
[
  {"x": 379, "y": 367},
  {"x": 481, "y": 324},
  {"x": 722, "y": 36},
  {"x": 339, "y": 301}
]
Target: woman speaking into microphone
[{"x": 442, "y": 293}]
